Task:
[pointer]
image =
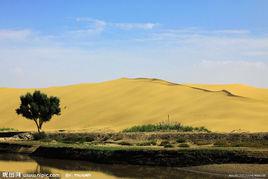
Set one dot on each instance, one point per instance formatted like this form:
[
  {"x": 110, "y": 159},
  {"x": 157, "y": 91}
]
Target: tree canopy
[{"x": 38, "y": 107}]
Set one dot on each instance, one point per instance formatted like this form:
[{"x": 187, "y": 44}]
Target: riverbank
[
  {"x": 153, "y": 138},
  {"x": 155, "y": 156},
  {"x": 32, "y": 164},
  {"x": 142, "y": 148}
]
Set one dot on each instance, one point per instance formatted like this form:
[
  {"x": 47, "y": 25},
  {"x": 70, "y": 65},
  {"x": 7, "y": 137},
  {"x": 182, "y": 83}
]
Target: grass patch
[
  {"x": 184, "y": 145},
  {"x": 165, "y": 127},
  {"x": 3, "y": 129}
]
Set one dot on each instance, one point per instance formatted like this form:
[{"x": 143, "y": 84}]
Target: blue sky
[{"x": 48, "y": 43}]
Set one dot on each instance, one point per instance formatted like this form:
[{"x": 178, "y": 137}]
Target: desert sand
[{"x": 122, "y": 103}]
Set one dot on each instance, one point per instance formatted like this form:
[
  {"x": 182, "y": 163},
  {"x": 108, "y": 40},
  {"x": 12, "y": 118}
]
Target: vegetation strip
[
  {"x": 150, "y": 138},
  {"x": 165, "y": 126},
  {"x": 140, "y": 156}
]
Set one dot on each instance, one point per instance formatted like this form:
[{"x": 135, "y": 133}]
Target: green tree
[{"x": 38, "y": 107}]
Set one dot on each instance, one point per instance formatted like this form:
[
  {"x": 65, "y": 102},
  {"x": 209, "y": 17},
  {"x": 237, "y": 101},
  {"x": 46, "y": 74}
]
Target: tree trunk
[
  {"x": 38, "y": 129},
  {"x": 40, "y": 124}
]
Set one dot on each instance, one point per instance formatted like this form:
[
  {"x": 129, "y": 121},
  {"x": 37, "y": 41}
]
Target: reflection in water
[{"x": 71, "y": 168}]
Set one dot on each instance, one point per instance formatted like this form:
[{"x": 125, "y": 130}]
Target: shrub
[
  {"x": 165, "y": 126},
  {"x": 201, "y": 129}
]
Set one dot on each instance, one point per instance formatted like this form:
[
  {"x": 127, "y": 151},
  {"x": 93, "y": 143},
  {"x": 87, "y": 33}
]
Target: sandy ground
[{"x": 122, "y": 103}]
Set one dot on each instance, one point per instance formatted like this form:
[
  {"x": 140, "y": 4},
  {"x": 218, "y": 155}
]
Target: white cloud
[
  {"x": 92, "y": 27},
  {"x": 129, "y": 26},
  {"x": 100, "y": 25},
  {"x": 232, "y": 31},
  {"x": 93, "y": 24},
  {"x": 188, "y": 55},
  {"x": 211, "y": 45},
  {"x": 11, "y": 34},
  {"x": 174, "y": 34},
  {"x": 229, "y": 63},
  {"x": 217, "y": 72}
]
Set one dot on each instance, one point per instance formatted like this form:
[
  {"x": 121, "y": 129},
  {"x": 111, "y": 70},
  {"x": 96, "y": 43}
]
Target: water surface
[{"x": 81, "y": 169}]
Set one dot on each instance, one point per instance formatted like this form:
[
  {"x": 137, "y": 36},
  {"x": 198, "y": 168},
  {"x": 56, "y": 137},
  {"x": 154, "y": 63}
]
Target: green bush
[{"x": 164, "y": 126}]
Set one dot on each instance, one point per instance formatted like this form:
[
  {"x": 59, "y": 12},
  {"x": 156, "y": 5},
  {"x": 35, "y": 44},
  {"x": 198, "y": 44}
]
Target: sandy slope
[
  {"x": 237, "y": 89},
  {"x": 125, "y": 102}
]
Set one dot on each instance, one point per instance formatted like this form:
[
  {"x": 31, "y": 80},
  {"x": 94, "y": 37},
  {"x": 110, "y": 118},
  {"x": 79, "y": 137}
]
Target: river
[{"x": 24, "y": 166}]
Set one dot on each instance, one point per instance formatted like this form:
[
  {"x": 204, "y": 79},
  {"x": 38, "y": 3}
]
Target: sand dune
[
  {"x": 122, "y": 103},
  {"x": 237, "y": 89}
]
